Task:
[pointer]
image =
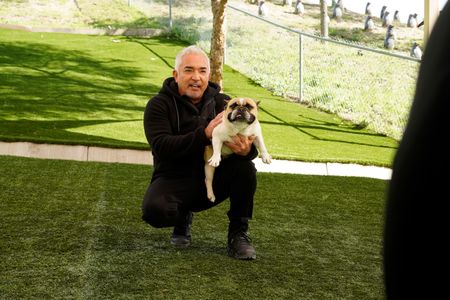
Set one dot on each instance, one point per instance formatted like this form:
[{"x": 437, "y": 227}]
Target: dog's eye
[
  {"x": 248, "y": 106},
  {"x": 233, "y": 106}
]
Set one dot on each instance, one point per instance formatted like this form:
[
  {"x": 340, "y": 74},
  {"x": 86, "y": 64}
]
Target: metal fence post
[
  {"x": 300, "y": 67},
  {"x": 170, "y": 15}
]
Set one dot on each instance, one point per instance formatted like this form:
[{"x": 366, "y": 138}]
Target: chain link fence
[{"x": 372, "y": 88}]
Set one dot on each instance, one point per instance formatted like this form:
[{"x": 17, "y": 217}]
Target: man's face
[{"x": 192, "y": 76}]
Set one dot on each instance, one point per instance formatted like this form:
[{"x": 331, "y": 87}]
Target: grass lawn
[
  {"x": 73, "y": 230},
  {"x": 92, "y": 90},
  {"x": 74, "y": 14}
]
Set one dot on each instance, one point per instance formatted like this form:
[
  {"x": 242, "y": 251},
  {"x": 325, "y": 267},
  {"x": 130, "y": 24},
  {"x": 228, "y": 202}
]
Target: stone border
[
  {"x": 141, "y": 32},
  {"x": 112, "y": 155},
  {"x": 76, "y": 152}
]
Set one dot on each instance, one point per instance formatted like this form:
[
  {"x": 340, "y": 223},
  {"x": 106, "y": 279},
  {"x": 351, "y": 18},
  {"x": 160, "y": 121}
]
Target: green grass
[
  {"x": 370, "y": 90},
  {"x": 92, "y": 90},
  {"x": 74, "y": 14},
  {"x": 116, "y": 13},
  {"x": 73, "y": 230},
  {"x": 78, "y": 89}
]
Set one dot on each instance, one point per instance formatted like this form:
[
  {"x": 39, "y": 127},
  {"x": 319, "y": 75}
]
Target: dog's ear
[
  {"x": 225, "y": 103},
  {"x": 257, "y": 102}
]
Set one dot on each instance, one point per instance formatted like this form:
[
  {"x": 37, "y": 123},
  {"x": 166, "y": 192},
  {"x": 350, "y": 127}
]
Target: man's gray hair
[{"x": 190, "y": 50}]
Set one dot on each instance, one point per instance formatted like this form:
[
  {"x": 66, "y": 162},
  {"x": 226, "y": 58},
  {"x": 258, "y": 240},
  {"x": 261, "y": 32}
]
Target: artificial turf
[{"x": 74, "y": 230}]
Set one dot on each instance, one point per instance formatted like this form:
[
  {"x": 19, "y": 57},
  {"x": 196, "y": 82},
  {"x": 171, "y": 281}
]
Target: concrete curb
[
  {"x": 111, "y": 155},
  {"x": 76, "y": 152},
  {"x": 141, "y": 32}
]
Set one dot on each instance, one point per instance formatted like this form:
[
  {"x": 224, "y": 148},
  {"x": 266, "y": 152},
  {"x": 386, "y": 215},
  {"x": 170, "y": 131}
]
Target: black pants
[{"x": 168, "y": 199}]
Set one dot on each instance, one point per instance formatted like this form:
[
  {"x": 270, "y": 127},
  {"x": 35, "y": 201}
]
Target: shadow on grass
[
  {"x": 52, "y": 82},
  {"x": 42, "y": 83},
  {"x": 325, "y": 126},
  {"x": 59, "y": 132},
  {"x": 142, "y": 22},
  {"x": 149, "y": 45},
  {"x": 306, "y": 123}
]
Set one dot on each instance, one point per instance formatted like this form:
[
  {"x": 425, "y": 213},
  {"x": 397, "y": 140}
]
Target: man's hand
[
  {"x": 241, "y": 145},
  {"x": 214, "y": 122}
]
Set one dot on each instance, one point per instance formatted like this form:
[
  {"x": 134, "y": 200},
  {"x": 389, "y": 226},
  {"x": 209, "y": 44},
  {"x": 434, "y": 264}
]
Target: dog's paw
[
  {"x": 214, "y": 161},
  {"x": 209, "y": 190},
  {"x": 210, "y": 193},
  {"x": 266, "y": 158},
  {"x": 211, "y": 197}
]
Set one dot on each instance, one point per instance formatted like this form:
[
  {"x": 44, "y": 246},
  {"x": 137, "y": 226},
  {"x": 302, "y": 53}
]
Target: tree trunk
[
  {"x": 217, "y": 50},
  {"x": 324, "y": 18}
]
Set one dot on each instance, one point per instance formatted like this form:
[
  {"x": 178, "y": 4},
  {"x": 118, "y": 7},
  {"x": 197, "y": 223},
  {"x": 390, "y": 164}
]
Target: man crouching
[{"x": 178, "y": 124}]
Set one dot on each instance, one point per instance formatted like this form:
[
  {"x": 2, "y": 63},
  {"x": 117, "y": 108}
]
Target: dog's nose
[{"x": 240, "y": 114}]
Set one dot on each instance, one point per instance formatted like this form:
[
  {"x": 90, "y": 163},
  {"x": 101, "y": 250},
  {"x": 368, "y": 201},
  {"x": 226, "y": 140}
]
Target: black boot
[
  {"x": 181, "y": 236},
  {"x": 239, "y": 242}
]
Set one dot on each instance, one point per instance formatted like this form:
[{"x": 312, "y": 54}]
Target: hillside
[
  {"x": 73, "y": 14},
  {"x": 350, "y": 28},
  {"x": 153, "y": 14}
]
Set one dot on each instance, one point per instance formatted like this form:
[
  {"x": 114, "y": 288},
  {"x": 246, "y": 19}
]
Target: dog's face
[{"x": 241, "y": 110}]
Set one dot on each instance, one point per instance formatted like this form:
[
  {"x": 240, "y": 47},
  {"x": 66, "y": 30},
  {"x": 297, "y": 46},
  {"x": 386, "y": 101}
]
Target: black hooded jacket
[{"x": 175, "y": 129}]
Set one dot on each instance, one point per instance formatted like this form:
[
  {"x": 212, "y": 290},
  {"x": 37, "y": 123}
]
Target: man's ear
[{"x": 175, "y": 75}]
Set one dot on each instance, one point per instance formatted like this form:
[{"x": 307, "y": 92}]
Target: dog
[{"x": 240, "y": 117}]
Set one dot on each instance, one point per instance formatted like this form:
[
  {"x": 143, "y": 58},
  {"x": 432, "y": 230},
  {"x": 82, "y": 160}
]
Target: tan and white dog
[{"x": 240, "y": 117}]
